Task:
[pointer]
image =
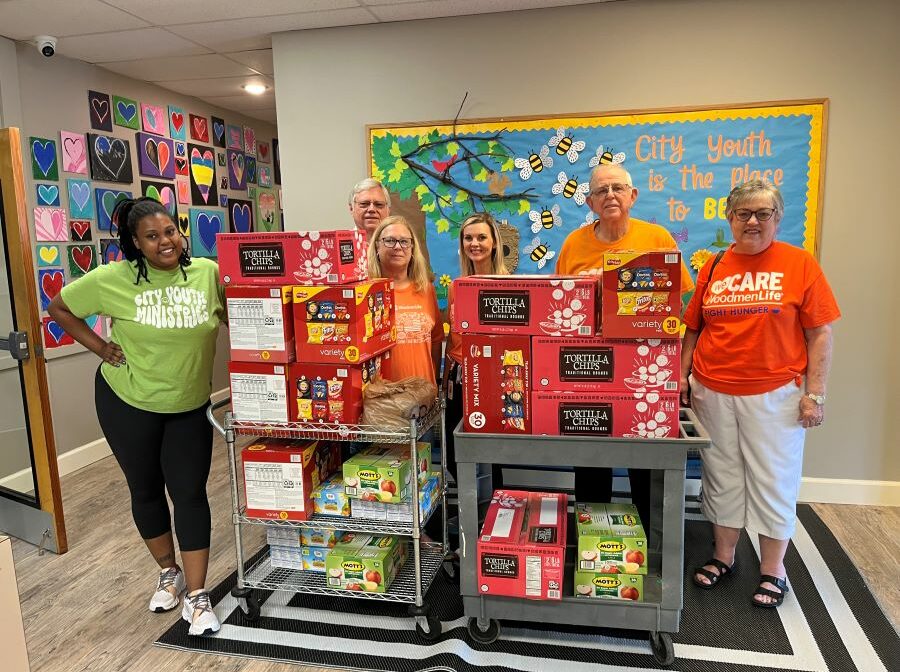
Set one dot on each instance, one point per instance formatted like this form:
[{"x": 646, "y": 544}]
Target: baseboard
[{"x": 847, "y": 491}]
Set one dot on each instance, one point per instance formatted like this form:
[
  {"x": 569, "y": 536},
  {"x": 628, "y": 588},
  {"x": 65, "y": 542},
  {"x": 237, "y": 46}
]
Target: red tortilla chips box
[
  {"x": 651, "y": 415},
  {"x": 332, "y": 393},
  {"x": 539, "y": 305},
  {"x": 641, "y": 294},
  {"x": 260, "y": 324},
  {"x": 601, "y": 364},
  {"x": 280, "y": 476},
  {"x": 496, "y": 388},
  {"x": 259, "y": 391},
  {"x": 292, "y": 257},
  {"x": 522, "y": 548},
  {"x": 345, "y": 324}
]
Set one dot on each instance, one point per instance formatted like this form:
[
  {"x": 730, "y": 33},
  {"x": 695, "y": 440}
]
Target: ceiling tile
[
  {"x": 440, "y": 8},
  {"x": 127, "y": 45},
  {"x": 242, "y": 102},
  {"x": 214, "y": 86},
  {"x": 258, "y": 59},
  {"x": 174, "y": 12},
  {"x": 177, "y": 68},
  {"x": 23, "y": 19}
]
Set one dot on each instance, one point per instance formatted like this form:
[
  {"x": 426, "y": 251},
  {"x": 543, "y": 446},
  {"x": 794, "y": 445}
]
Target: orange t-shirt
[
  {"x": 418, "y": 326},
  {"x": 454, "y": 347},
  {"x": 582, "y": 253},
  {"x": 754, "y": 313}
]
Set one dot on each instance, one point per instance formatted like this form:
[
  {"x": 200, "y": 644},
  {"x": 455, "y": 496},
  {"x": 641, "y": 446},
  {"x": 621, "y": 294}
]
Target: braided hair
[{"x": 126, "y": 215}]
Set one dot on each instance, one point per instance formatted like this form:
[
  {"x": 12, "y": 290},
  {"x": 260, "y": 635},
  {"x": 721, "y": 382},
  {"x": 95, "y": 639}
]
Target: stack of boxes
[{"x": 612, "y": 552}]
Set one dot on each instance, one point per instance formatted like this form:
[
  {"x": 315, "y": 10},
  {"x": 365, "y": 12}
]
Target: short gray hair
[
  {"x": 365, "y": 185},
  {"x": 748, "y": 190},
  {"x": 603, "y": 166}
]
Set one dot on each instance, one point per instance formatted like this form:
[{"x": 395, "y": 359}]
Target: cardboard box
[
  {"x": 600, "y": 364},
  {"x": 332, "y": 393},
  {"x": 651, "y": 415},
  {"x": 367, "y": 562},
  {"x": 260, "y": 324},
  {"x": 537, "y": 305},
  {"x": 641, "y": 294},
  {"x": 280, "y": 476},
  {"x": 609, "y": 586},
  {"x": 429, "y": 496},
  {"x": 259, "y": 391},
  {"x": 314, "y": 558},
  {"x": 286, "y": 557},
  {"x": 611, "y": 539},
  {"x": 496, "y": 383},
  {"x": 329, "y": 498},
  {"x": 522, "y": 547},
  {"x": 344, "y": 325},
  {"x": 378, "y": 473},
  {"x": 292, "y": 257},
  {"x": 423, "y": 457}
]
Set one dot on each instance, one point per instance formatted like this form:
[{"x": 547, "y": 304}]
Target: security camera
[{"x": 46, "y": 44}]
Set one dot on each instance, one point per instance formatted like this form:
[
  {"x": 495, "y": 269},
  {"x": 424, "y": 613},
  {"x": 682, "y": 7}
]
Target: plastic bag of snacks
[{"x": 390, "y": 404}]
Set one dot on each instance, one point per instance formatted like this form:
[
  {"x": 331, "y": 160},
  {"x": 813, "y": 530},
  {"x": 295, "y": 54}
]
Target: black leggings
[{"x": 159, "y": 451}]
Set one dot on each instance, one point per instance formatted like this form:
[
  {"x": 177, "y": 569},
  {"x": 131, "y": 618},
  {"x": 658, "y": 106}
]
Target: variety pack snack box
[
  {"x": 292, "y": 257},
  {"x": 641, "y": 294},
  {"x": 344, "y": 324},
  {"x": 259, "y": 392},
  {"x": 260, "y": 324},
  {"x": 650, "y": 415},
  {"x": 522, "y": 546},
  {"x": 496, "y": 384},
  {"x": 332, "y": 393},
  {"x": 522, "y": 304},
  {"x": 365, "y": 562}
]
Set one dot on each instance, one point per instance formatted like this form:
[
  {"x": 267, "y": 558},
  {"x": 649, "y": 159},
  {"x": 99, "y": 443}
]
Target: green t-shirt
[{"x": 167, "y": 329}]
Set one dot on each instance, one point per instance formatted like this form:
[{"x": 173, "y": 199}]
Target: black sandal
[
  {"x": 724, "y": 570},
  {"x": 778, "y": 598}
]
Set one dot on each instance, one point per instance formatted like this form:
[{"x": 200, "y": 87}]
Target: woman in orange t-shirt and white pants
[{"x": 758, "y": 351}]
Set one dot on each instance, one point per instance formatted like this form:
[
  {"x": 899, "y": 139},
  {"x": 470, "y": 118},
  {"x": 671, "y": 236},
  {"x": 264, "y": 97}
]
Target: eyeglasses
[
  {"x": 762, "y": 215},
  {"x": 404, "y": 243},
  {"x": 364, "y": 205},
  {"x": 617, "y": 188}
]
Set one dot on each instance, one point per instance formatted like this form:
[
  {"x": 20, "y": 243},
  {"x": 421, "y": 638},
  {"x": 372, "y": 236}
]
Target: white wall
[{"x": 645, "y": 54}]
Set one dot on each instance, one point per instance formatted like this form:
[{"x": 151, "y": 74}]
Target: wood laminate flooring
[{"x": 86, "y": 610}]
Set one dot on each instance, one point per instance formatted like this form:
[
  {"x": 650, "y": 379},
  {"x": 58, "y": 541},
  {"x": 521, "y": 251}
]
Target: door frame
[{"x": 44, "y": 524}]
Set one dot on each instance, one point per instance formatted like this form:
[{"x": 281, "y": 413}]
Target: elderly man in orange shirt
[{"x": 611, "y": 198}]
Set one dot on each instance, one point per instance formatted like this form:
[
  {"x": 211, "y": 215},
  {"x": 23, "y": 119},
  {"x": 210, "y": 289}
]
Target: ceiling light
[{"x": 255, "y": 89}]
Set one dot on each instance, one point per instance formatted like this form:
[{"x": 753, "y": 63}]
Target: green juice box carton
[
  {"x": 365, "y": 563},
  {"x": 377, "y": 474},
  {"x": 423, "y": 457},
  {"x": 609, "y": 586},
  {"x": 330, "y": 499},
  {"x": 611, "y": 539}
]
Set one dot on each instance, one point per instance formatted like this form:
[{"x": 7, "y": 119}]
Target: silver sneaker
[
  {"x": 198, "y": 611},
  {"x": 169, "y": 589}
]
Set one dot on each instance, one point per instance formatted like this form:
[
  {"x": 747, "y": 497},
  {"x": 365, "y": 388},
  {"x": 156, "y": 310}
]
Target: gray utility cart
[
  {"x": 416, "y": 575},
  {"x": 660, "y": 612}
]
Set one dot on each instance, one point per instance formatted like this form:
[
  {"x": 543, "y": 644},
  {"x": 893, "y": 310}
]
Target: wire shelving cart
[
  {"x": 415, "y": 577},
  {"x": 660, "y": 612}
]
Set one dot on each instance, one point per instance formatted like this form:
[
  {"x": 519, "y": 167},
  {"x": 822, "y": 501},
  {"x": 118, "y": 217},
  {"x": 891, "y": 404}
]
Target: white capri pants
[{"x": 752, "y": 468}]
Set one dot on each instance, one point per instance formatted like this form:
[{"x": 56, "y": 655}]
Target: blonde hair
[
  {"x": 466, "y": 267},
  {"x": 417, "y": 270}
]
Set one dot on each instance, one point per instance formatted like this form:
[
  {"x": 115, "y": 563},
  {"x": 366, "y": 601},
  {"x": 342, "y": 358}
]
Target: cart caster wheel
[
  {"x": 432, "y": 628},
  {"x": 247, "y": 602},
  {"x": 662, "y": 647},
  {"x": 488, "y": 636}
]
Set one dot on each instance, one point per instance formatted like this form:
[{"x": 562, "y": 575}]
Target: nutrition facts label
[
  {"x": 258, "y": 397},
  {"x": 256, "y": 324},
  {"x": 274, "y": 486},
  {"x": 533, "y": 576}
]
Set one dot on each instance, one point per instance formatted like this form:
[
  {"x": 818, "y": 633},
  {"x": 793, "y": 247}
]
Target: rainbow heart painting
[
  {"x": 110, "y": 251},
  {"x": 47, "y": 194},
  {"x": 110, "y": 158},
  {"x": 237, "y": 177},
  {"x": 199, "y": 128},
  {"x": 80, "y": 230},
  {"x": 43, "y": 159},
  {"x": 99, "y": 111},
  {"x": 82, "y": 258},
  {"x": 50, "y": 282},
  {"x": 240, "y": 216},
  {"x": 162, "y": 192},
  {"x": 249, "y": 141},
  {"x": 218, "y": 132},
  {"x": 106, "y": 200},
  {"x": 50, "y": 224},
  {"x": 234, "y": 137},
  {"x": 125, "y": 112},
  {"x": 74, "y": 152},
  {"x": 154, "y": 119},
  {"x": 81, "y": 205},
  {"x": 156, "y": 156},
  {"x": 176, "y": 123},
  {"x": 47, "y": 255},
  {"x": 202, "y": 168},
  {"x": 205, "y": 224},
  {"x": 54, "y": 336}
]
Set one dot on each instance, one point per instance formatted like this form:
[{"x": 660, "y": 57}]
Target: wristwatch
[{"x": 818, "y": 398}]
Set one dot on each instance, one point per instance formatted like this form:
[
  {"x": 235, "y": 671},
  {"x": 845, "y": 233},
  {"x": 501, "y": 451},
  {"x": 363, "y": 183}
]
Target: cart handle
[{"x": 212, "y": 408}]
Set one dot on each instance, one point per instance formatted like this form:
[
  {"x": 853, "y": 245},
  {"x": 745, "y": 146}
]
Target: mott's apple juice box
[
  {"x": 377, "y": 474},
  {"x": 292, "y": 257},
  {"x": 496, "y": 387},
  {"x": 641, "y": 294},
  {"x": 344, "y": 324},
  {"x": 365, "y": 562},
  {"x": 609, "y": 586},
  {"x": 260, "y": 324},
  {"x": 611, "y": 539}
]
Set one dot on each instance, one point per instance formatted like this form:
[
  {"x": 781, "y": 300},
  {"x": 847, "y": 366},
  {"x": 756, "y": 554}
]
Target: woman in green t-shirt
[{"x": 152, "y": 389}]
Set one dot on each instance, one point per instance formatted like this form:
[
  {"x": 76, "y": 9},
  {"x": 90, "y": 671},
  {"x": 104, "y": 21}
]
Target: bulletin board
[{"x": 531, "y": 174}]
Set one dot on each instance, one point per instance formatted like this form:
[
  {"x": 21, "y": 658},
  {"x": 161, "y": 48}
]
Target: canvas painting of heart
[
  {"x": 202, "y": 170},
  {"x": 99, "y": 111},
  {"x": 50, "y": 282},
  {"x": 54, "y": 336},
  {"x": 110, "y": 158},
  {"x": 267, "y": 218},
  {"x": 47, "y": 255},
  {"x": 47, "y": 194},
  {"x": 249, "y": 141},
  {"x": 181, "y": 162},
  {"x": 50, "y": 224},
  {"x": 162, "y": 192},
  {"x": 183, "y": 191},
  {"x": 234, "y": 137},
  {"x": 106, "y": 200},
  {"x": 81, "y": 206},
  {"x": 205, "y": 224},
  {"x": 237, "y": 176},
  {"x": 125, "y": 112},
  {"x": 184, "y": 226},
  {"x": 240, "y": 216},
  {"x": 263, "y": 153},
  {"x": 82, "y": 258},
  {"x": 154, "y": 119},
  {"x": 218, "y": 132},
  {"x": 74, "y": 152},
  {"x": 265, "y": 176},
  {"x": 199, "y": 128},
  {"x": 156, "y": 156},
  {"x": 176, "y": 123},
  {"x": 43, "y": 159},
  {"x": 80, "y": 230},
  {"x": 251, "y": 168},
  {"x": 110, "y": 251}
]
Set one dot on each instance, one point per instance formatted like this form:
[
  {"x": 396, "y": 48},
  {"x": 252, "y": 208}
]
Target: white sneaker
[
  {"x": 198, "y": 611},
  {"x": 168, "y": 591}
]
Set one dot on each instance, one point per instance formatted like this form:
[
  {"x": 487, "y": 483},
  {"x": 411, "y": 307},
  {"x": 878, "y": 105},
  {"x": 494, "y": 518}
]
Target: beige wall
[
  {"x": 52, "y": 95},
  {"x": 644, "y": 54}
]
